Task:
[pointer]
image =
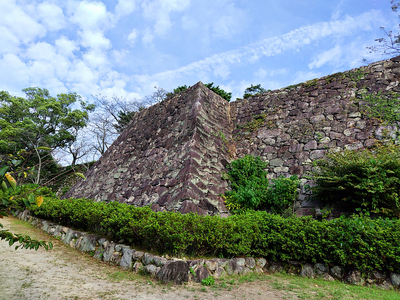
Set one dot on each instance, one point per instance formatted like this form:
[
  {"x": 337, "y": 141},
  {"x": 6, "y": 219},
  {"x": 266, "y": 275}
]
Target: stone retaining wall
[
  {"x": 172, "y": 154},
  {"x": 291, "y": 127},
  {"x": 179, "y": 271}
]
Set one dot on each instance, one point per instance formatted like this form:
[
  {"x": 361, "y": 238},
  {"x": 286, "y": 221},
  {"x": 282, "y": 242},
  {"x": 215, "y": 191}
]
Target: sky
[{"x": 126, "y": 48}]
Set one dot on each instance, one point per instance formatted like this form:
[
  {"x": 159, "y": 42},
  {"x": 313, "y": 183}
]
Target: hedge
[{"x": 356, "y": 242}]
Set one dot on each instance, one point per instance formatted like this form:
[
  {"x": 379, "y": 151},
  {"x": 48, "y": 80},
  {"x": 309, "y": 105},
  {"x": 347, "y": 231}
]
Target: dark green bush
[
  {"x": 251, "y": 188},
  {"x": 367, "y": 179},
  {"x": 356, "y": 242}
]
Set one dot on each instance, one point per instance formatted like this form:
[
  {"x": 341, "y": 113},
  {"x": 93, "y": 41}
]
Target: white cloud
[
  {"x": 221, "y": 70},
  {"x": 19, "y": 25},
  {"x": 120, "y": 56},
  {"x": 147, "y": 37},
  {"x": 82, "y": 78},
  {"x": 91, "y": 16},
  {"x": 9, "y": 41},
  {"x": 40, "y": 51},
  {"x": 159, "y": 12},
  {"x": 94, "y": 39},
  {"x": 276, "y": 45},
  {"x": 51, "y": 16},
  {"x": 262, "y": 73},
  {"x": 95, "y": 59},
  {"x": 65, "y": 46},
  {"x": 132, "y": 37},
  {"x": 17, "y": 78},
  {"x": 338, "y": 10},
  {"x": 124, "y": 7},
  {"x": 227, "y": 25},
  {"x": 333, "y": 54}
]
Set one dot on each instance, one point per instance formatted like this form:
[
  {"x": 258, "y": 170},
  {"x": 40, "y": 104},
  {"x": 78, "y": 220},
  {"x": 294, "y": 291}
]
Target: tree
[
  {"x": 216, "y": 89},
  {"x": 390, "y": 43},
  {"x": 113, "y": 115},
  {"x": 39, "y": 122},
  {"x": 253, "y": 90}
]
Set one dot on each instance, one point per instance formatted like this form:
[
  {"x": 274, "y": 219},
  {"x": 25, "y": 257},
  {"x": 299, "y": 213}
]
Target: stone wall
[
  {"x": 171, "y": 157},
  {"x": 173, "y": 153},
  {"x": 298, "y": 124}
]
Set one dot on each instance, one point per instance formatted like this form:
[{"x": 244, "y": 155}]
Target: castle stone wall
[{"x": 172, "y": 154}]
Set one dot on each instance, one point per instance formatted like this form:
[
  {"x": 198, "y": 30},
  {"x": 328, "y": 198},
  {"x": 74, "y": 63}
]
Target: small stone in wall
[
  {"x": 307, "y": 271},
  {"x": 201, "y": 273},
  {"x": 175, "y": 272},
  {"x": 354, "y": 277},
  {"x": 337, "y": 272},
  {"x": 151, "y": 269},
  {"x": 395, "y": 279}
]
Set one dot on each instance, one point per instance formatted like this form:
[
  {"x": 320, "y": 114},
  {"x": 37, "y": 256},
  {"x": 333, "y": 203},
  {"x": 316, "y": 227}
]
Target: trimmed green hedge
[{"x": 357, "y": 242}]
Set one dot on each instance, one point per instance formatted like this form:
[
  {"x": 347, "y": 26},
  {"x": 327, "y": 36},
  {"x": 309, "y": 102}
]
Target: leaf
[
  {"x": 80, "y": 175},
  {"x": 11, "y": 180},
  {"x": 39, "y": 200},
  {"x": 31, "y": 198},
  {"x": 4, "y": 187},
  {"x": 26, "y": 202},
  {"x": 3, "y": 171},
  {"x": 44, "y": 148}
]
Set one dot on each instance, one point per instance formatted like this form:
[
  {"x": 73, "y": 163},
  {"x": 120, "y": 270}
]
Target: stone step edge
[{"x": 179, "y": 271}]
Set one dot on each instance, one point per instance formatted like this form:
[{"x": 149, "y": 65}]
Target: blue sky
[{"x": 124, "y": 48}]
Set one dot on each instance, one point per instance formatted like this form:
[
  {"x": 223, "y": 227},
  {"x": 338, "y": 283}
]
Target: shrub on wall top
[{"x": 366, "y": 179}]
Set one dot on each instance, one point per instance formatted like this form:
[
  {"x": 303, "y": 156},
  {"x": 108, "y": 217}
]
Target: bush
[
  {"x": 251, "y": 188},
  {"x": 356, "y": 242},
  {"x": 367, "y": 179},
  {"x": 253, "y": 90}
]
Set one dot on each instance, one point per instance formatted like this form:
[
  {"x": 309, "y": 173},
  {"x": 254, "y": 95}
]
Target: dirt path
[{"x": 64, "y": 273}]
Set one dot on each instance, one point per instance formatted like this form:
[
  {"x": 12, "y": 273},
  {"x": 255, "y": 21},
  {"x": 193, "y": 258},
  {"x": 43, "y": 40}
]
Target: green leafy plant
[
  {"x": 216, "y": 89},
  {"x": 208, "y": 281},
  {"x": 7, "y": 203},
  {"x": 356, "y": 242},
  {"x": 250, "y": 188},
  {"x": 367, "y": 179},
  {"x": 385, "y": 107},
  {"x": 253, "y": 90}
]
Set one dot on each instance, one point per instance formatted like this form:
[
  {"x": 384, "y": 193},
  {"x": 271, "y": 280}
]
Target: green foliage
[
  {"x": 208, "y": 281},
  {"x": 367, "y": 179},
  {"x": 310, "y": 83},
  {"x": 253, "y": 90},
  {"x": 248, "y": 181},
  {"x": 123, "y": 119},
  {"x": 39, "y": 119},
  {"x": 357, "y": 242},
  {"x": 385, "y": 107},
  {"x": 251, "y": 188},
  {"x": 40, "y": 122},
  {"x": 255, "y": 124},
  {"x": 177, "y": 91},
  {"x": 8, "y": 201},
  {"x": 216, "y": 89}
]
